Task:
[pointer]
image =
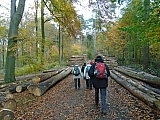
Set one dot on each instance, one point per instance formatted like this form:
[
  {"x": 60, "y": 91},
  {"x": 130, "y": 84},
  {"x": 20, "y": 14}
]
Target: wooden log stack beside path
[
  {"x": 7, "y": 106},
  {"x": 148, "y": 96},
  {"x": 41, "y": 88},
  {"x": 145, "y": 77}
]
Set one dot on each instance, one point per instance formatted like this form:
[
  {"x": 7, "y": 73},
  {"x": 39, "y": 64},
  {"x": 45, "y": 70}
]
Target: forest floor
[{"x": 63, "y": 102}]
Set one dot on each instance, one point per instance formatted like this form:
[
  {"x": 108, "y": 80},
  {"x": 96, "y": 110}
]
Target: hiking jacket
[
  {"x": 85, "y": 72},
  {"x": 83, "y": 66},
  {"x": 79, "y": 76},
  {"x": 98, "y": 83}
]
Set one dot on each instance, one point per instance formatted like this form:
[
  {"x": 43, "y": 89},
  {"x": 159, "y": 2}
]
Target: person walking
[
  {"x": 90, "y": 80},
  {"x": 99, "y": 71},
  {"x": 82, "y": 69},
  {"x": 87, "y": 78},
  {"x": 76, "y": 71}
]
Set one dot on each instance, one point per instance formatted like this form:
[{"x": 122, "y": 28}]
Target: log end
[
  {"x": 18, "y": 89},
  {"x": 10, "y": 104},
  {"x": 34, "y": 90},
  {"x": 36, "y": 80},
  {"x": 6, "y": 114}
]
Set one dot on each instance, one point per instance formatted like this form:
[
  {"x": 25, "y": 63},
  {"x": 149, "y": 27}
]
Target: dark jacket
[
  {"x": 96, "y": 82},
  {"x": 82, "y": 69}
]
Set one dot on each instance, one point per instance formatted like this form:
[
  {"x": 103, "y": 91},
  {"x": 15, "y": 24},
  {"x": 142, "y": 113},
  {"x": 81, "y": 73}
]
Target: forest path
[{"x": 63, "y": 102}]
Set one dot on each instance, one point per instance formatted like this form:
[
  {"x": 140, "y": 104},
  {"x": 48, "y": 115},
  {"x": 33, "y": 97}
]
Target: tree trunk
[
  {"x": 36, "y": 23},
  {"x": 146, "y": 46},
  {"x": 13, "y": 83},
  {"x": 16, "y": 16},
  {"x": 42, "y": 31},
  {"x": 41, "y": 88},
  {"x": 45, "y": 76},
  {"x": 59, "y": 45},
  {"x": 148, "y": 78},
  {"x": 139, "y": 85},
  {"x": 152, "y": 102},
  {"x": 22, "y": 85},
  {"x": 12, "y": 87}
]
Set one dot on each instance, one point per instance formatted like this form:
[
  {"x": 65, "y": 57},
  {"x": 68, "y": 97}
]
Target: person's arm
[
  {"x": 108, "y": 71},
  {"x": 80, "y": 71},
  {"x": 91, "y": 71},
  {"x": 85, "y": 71}
]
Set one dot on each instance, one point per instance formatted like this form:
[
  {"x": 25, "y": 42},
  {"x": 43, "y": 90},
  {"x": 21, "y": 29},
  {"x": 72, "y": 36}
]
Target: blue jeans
[
  {"x": 75, "y": 83},
  {"x": 103, "y": 97}
]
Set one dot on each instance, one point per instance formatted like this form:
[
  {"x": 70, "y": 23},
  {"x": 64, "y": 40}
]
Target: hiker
[
  {"x": 90, "y": 80},
  {"x": 87, "y": 78},
  {"x": 99, "y": 71},
  {"x": 82, "y": 69},
  {"x": 76, "y": 71}
]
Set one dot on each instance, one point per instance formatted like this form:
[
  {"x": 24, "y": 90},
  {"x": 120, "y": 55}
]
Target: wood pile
[
  {"x": 7, "y": 106},
  {"x": 142, "y": 85},
  {"x": 76, "y": 60},
  {"x": 111, "y": 62},
  {"x": 40, "y": 88},
  {"x": 36, "y": 85},
  {"x": 108, "y": 59}
]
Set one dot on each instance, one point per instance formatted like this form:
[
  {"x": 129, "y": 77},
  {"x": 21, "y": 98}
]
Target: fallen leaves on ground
[{"x": 63, "y": 102}]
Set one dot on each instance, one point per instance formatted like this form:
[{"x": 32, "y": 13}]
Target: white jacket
[{"x": 85, "y": 72}]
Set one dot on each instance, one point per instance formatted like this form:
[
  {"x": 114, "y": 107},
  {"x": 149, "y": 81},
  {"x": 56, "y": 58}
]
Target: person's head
[
  {"x": 98, "y": 59},
  {"x": 84, "y": 63},
  {"x": 91, "y": 62},
  {"x": 76, "y": 66}
]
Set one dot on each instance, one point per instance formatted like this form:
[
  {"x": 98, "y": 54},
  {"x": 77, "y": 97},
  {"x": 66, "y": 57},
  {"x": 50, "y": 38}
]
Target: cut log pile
[
  {"x": 7, "y": 106},
  {"x": 38, "y": 85},
  {"x": 111, "y": 62},
  {"x": 138, "y": 86},
  {"x": 76, "y": 60},
  {"x": 41, "y": 88},
  {"x": 108, "y": 59},
  {"x": 140, "y": 75}
]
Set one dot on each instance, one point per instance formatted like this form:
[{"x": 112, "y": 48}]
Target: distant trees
[
  {"x": 28, "y": 44},
  {"x": 134, "y": 38}
]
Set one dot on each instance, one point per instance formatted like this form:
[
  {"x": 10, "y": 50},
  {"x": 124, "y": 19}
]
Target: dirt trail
[{"x": 63, "y": 102}]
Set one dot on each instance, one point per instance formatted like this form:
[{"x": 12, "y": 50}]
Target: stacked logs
[
  {"x": 108, "y": 59},
  {"x": 7, "y": 106},
  {"x": 111, "y": 62},
  {"x": 140, "y": 84},
  {"x": 37, "y": 85},
  {"x": 76, "y": 60},
  {"x": 40, "y": 88}
]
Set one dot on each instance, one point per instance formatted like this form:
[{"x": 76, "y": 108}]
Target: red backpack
[{"x": 100, "y": 71}]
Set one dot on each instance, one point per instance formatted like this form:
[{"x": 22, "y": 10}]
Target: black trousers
[{"x": 87, "y": 83}]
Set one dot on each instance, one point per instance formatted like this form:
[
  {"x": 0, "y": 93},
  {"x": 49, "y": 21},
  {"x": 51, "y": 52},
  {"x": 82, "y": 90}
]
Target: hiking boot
[{"x": 103, "y": 112}]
